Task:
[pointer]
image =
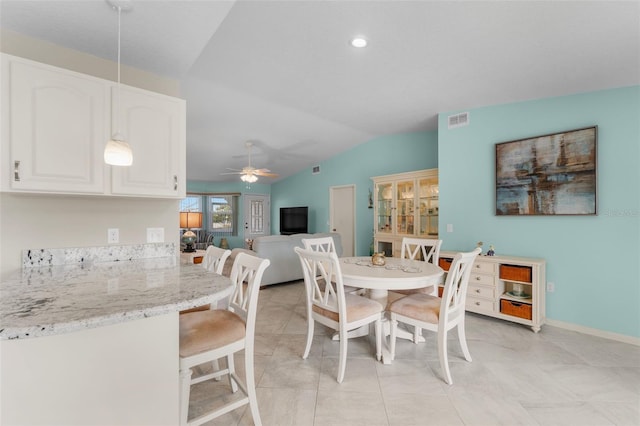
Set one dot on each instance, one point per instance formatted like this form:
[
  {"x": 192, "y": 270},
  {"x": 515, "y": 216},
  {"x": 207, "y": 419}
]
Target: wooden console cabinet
[{"x": 506, "y": 287}]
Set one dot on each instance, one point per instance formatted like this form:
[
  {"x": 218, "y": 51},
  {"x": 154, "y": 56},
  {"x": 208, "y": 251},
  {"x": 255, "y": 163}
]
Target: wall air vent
[
  {"x": 458, "y": 120},
  {"x": 315, "y": 170}
]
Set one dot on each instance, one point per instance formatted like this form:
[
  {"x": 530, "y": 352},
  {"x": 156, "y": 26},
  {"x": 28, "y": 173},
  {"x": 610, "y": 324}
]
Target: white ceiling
[{"x": 282, "y": 74}]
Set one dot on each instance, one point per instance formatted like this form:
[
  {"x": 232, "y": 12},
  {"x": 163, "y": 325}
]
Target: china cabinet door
[
  {"x": 405, "y": 207},
  {"x": 154, "y": 126},
  {"x": 384, "y": 207},
  {"x": 428, "y": 211},
  {"x": 56, "y": 129}
]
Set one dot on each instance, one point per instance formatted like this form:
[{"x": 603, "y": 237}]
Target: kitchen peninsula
[{"x": 90, "y": 336}]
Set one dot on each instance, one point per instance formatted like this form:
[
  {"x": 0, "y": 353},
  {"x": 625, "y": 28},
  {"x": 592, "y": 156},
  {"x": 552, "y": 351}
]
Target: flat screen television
[{"x": 293, "y": 220}]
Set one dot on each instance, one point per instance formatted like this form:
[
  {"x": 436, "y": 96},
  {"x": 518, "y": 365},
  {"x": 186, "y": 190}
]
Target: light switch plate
[{"x": 155, "y": 235}]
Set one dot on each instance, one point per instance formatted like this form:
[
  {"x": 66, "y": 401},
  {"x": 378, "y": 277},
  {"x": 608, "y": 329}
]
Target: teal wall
[
  {"x": 380, "y": 156},
  {"x": 230, "y": 187},
  {"x": 594, "y": 261}
]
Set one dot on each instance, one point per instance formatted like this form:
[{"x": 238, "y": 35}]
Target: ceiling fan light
[
  {"x": 249, "y": 178},
  {"x": 118, "y": 152}
]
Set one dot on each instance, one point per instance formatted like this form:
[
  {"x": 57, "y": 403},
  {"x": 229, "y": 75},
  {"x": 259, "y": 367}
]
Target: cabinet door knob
[
  {"x": 477, "y": 303},
  {"x": 478, "y": 278},
  {"x": 477, "y": 290},
  {"x": 175, "y": 182},
  {"x": 16, "y": 171}
]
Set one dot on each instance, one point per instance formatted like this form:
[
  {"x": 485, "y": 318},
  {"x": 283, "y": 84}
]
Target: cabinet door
[
  {"x": 405, "y": 207},
  {"x": 154, "y": 126},
  {"x": 428, "y": 210},
  {"x": 57, "y": 128},
  {"x": 384, "y": 207}
]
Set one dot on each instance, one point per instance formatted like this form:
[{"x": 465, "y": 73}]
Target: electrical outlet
[
  {"x": 155, "y": 235},
  {"x": 113, "y": 235},
  {"x": 551, "y": 287},
  {"x": 449, "y": 227}
]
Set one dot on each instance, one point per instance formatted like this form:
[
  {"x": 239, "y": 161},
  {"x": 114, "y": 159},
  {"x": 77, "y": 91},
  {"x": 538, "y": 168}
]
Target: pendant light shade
[{"x": 117, "y": 152}]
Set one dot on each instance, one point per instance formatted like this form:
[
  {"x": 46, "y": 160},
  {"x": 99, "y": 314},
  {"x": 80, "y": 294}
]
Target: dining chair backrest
[
  {"x": 246, "y": 275},
  {"x": 429, "y": 248},
  {"x": 454, "y": 293},
  {"x": 214, "y": 259},
  {"x": 323, "y": 244},
  {"x": 319, "y": 268}
]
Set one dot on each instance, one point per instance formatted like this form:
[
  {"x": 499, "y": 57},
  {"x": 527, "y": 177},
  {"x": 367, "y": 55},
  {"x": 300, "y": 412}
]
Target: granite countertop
[{"x": 51, "y": 300}]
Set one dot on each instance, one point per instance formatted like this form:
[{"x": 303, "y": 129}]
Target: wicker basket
[
  {"x": 515, "y": 273},
  {"x": 516, "y": 309}
]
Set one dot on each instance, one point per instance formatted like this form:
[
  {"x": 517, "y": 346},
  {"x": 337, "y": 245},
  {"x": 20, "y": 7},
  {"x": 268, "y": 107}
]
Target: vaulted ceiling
[{"x": 283, "y": 75}]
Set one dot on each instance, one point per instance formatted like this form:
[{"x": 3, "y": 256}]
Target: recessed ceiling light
[{"x": 359, "y": 42}]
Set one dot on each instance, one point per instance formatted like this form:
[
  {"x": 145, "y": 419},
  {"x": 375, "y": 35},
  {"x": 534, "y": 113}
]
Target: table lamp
[{"x": 190, "y": 220}]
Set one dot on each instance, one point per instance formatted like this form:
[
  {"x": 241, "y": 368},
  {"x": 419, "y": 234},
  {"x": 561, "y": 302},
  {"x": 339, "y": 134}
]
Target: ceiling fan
[{"x": 250, "y": 174}]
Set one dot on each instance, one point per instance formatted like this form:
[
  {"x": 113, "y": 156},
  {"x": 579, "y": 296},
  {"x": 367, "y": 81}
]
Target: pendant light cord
[{"x": 119, "y": 91}]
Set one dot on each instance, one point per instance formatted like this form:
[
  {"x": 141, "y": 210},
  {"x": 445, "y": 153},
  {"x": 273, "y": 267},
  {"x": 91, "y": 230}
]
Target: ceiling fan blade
[
  {"x": 232, "y": 173},
  {"x": 265, "y": 172}
]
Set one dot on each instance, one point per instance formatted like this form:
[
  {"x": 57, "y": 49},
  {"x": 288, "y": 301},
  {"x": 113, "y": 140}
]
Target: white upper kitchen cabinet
[
  {"x": 154, "y": 126},
  {"x": 54, "y": 128},
  {"x": 56, "y": 122}
]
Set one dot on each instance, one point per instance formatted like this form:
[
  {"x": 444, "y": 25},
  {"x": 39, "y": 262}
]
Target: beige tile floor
[{"x": 555, "y": 377}]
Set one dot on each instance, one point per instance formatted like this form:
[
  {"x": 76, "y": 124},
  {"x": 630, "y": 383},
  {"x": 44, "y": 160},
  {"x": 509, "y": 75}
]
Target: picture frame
[{"x": 554, "y": 174}]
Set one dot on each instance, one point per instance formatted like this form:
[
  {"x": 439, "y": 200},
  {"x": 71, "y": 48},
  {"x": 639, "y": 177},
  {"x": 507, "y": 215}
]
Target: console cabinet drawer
[
  {"x": 483, "y": 267},
  {"x": 475, "y": 304},
  {"x": 481, "y": 291},
  {"x": 481, "y": 279}
]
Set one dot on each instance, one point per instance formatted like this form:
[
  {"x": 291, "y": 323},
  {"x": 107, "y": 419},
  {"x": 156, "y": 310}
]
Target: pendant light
[{"x": 118, "y": 152}]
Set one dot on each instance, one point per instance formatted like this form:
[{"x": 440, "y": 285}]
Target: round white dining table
[{"x": 396, "y": 274}]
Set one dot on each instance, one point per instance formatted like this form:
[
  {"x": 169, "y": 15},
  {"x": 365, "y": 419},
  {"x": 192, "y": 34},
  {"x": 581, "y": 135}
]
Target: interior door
[
  {"x": 343, "y": 218},
  {"x": 257, "y": 217}
]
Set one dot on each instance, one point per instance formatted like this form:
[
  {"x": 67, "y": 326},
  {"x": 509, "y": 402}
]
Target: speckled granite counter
[{"x": 48, "y": 300}]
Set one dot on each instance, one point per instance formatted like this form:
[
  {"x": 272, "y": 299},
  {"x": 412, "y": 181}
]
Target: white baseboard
[{"x": 594, "y": 332}]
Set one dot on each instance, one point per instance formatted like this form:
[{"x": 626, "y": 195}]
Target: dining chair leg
[
  {"x": 185, "y": 391},
  {"x": 216, "y": 367},
  {"x": 342, "y": 364},
  {"x": 463, "y": 341},
  {"x": 310, "y": 331},
  {"x": 251, "y": 385},
  {"x": 442, "y": 354},
  {"x": 231, "y": 365},
  {"x": 417, "y": 333},
  {"x": 379, "y": 339},
  {"x": 392, "y": 337}
]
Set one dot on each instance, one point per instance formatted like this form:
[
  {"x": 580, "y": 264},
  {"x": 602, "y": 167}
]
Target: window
[
  {"x": 223, "y": 214},
  {"x": 219, "y": 211}
]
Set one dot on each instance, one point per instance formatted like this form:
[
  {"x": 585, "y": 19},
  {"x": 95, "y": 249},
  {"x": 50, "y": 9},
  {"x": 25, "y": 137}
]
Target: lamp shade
[
  {"x": 118, "y": 153},
  {"x": 190, "y": 220}
]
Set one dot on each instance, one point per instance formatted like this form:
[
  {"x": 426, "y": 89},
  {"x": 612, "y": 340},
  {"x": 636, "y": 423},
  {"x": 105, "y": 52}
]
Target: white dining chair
[
  {"x": 425, "y": 249},
  {"x": 214, "y": 258},
  {"x": 331, "y": 306},
  {"x": 438, "y": 314},
  {"x": 327, "y": 245},
  {"x": 206, "y": 336}
]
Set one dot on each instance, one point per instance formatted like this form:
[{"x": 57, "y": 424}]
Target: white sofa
[{"x": 285, "y": 264}]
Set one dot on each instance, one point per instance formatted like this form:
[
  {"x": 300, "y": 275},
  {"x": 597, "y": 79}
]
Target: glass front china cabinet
[{"x": 405, "y": 205}]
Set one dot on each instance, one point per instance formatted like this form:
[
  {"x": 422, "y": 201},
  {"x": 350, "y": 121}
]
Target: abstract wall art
[{"x": 547, "y": 175}]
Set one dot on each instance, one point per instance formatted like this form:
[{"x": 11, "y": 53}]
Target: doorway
[
  {"x": 343, "y": 216},
  {"x": 257, "y": 217}
]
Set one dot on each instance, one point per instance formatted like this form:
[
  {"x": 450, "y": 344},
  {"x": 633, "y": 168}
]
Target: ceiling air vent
[
  {"x": 458, "y": 120},
  {"x": 315, "y": 170}
]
